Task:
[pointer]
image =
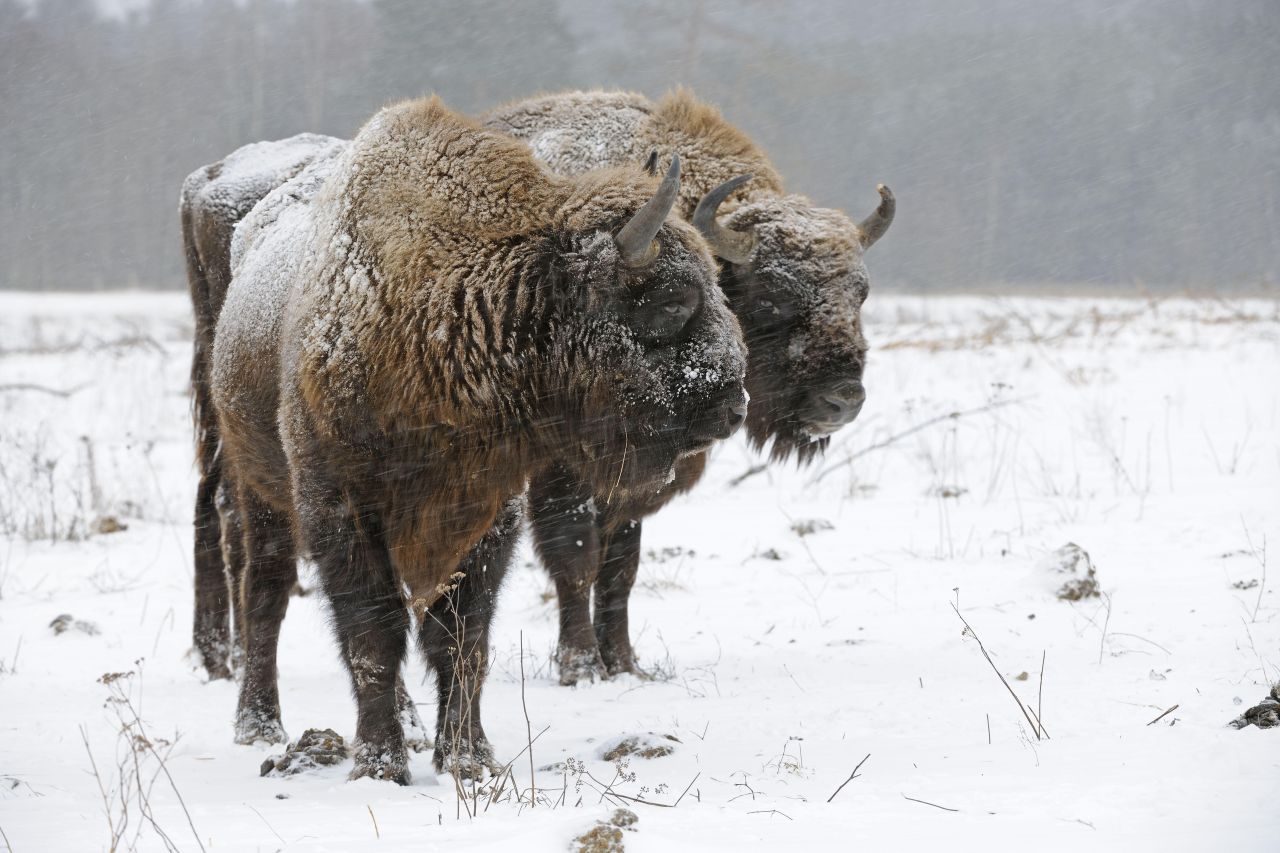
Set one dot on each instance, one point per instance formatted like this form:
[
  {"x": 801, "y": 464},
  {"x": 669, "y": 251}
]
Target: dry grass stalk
[{"x": 1036, "y": 727}]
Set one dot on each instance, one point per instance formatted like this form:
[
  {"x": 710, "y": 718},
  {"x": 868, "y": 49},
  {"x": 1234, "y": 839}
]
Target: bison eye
[
  {"x": 663, "y": 316},
  {"x": 769, "y": 312}
]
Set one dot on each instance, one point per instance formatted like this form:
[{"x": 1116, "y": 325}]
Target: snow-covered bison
[
  {"x": 412, "y": 329},
  {"x": 214, "y": 199},
  {"x": 794, "y": 276}
]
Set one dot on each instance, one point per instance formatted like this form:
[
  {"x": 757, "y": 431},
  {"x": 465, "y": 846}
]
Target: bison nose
[
  {"x": 721, "y": 419},
  {"x": 833, "y": 407},
  {"x": 727, "y": 417}
]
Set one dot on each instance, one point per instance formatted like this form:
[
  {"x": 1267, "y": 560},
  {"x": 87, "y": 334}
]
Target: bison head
[
  {"x": 794, "y": 276},
  {"x": 652, "y": 351}
]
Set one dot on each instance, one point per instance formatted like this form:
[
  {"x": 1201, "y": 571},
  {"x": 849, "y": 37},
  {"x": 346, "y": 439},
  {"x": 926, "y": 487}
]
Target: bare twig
[
  {"x": 7, "y": 843},
  {"x": 927, "y": 803},
  {"x": 106, "y": 800},
  {"x": 686, "y": 789},
  {"x": 607, "y": 791},
  {"x": 1040, "y": 693},
  {"x": 31, "y": 386},
  {"x": 771, "y": 812},
  {"x": 506, "y": 769},
  {"x": 164, "y": 768},
  {"x": 893, "y": 439},
  {"x": 1162, "y": 716},
  {"x": 1102, "y": 642},
  {"x": 528, "y": 727},
  {"x": 852, "y": 776},
  {"x": 266, "y": 823},
  {"x": 1038, "y": 729},
  {"x": 750, "y": 472},
  {"x": 376, "y": 833},
  {"x": 1262, "y": 561}
]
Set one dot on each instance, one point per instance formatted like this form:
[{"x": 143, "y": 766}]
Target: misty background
[{"x": 1092, "y": 144}]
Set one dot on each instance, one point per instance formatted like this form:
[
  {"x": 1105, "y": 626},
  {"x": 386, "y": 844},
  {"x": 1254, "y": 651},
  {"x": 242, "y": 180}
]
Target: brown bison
[
  {"x": 794, "y": 276},
  {"x": 413, "y": 328}
]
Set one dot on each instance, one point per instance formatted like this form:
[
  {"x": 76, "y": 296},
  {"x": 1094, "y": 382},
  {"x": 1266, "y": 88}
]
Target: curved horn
[
  {"x": 733, "y": 246},
  {"x": 636, "y": 237},
  {"x": 873, "y": 227}
]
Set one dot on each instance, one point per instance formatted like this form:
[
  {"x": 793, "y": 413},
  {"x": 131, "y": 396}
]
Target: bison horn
[
  {"x": 873, "y": 227},
  {"x": 733, "y": 246},
  {"x": 635, "y": 240}
]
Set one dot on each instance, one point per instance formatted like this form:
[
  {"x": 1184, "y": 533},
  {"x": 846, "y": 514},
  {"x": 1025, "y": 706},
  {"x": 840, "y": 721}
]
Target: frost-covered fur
[
  {"x": 798, "y": 297},
  {"x": 413, "y": 327},
  {"x": 800, "y": 294},
  {"x": 214, "y": 198}
]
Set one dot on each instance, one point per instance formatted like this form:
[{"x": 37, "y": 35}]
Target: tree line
[{"x": 1093, "y": 144}]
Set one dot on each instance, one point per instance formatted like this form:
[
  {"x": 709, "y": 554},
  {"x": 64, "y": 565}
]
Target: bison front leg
[
  {"x": 566, "y": 534},
  {"x": 370, "y": 620},
  {"x": 270, "y": 571},
  {"x": 613, "y": 595},
  {"x": 454, "y": 637}
]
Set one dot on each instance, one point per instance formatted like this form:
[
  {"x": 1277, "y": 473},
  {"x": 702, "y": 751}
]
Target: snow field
[{"x": 1143, "y": 431}]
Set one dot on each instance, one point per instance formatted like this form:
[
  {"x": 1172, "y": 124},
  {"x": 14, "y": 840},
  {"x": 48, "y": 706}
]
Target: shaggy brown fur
[
  {"x": 798, "y": 296},
  {"x": 411, "y": 330}
]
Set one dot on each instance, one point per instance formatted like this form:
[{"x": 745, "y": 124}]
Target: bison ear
[
  {"x": 651, "y": 165},
  {"x": 873, "y": 227},
  {"x": 732, "y": 246}
]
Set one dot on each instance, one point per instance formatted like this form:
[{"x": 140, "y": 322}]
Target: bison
[
  {"x": 793, "y": 274},
  {"x": 413, "y": 328},
  {"x": 214, "y": 199}
]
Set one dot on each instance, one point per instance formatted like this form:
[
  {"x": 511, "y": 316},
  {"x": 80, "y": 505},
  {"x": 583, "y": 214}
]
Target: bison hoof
[
  {"x": 212, "y": 655},
  {"x": 217, "y": 671},
  {"x": 467, "y": 762},
  {"x": 619, "y": 665},
  {"x": 256, "y": 726},
  {"x": 579, "y": 665},
  {"x": 383, "y": 763}
]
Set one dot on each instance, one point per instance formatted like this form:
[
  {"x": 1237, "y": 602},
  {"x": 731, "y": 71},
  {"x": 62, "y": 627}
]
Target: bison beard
[{"x": 413, "y": 328}]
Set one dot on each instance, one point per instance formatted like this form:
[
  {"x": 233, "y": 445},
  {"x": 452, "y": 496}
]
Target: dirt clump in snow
[
  {"x": 64, "y": 622},
  {"x": 810, "y": 526},
  {"x": 649, "y": 745},
  {"x": 316, "y": 748},
  {"x": 1074, "y": 561},
  {"x": 109, "y": 524},
  {"x": 606, "y": 837},
  {"x": 1264, "y": 715}
]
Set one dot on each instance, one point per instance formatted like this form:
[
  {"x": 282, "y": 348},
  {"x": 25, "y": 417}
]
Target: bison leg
[
  {"x": 369, "y": 619},
  {"x": 233, "y": 560},
  {"x": 566, "y": 534},
  {"x": 270, "y": 571},
  {"x": 415, "y": 731},
  {"x": 454, "y": 637},
  {"x": 211, "y": 624},
  {"x": 612, "y": 594}
]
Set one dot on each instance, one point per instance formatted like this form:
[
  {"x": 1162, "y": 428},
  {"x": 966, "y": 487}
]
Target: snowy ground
[{"x": 1144, "y": 432}]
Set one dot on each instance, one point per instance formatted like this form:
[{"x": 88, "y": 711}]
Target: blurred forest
[{"x": 1040, "y": 146}]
